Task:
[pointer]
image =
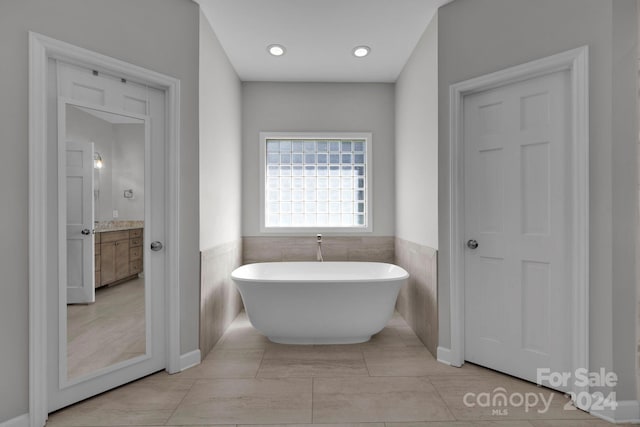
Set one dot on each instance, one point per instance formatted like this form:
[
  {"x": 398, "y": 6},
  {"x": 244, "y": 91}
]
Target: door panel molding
[
  {"x": 576, "y": 62},
  {"x": 85, "y": 293},
  {"x": 41, "y": 50}
]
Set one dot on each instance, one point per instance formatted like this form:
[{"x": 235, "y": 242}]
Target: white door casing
[
  {"x": 575, "y": 62},
  {"x": 79, "y": 222},
  {"x": 43, "y": 52},
  {"x": 517, "y": 298}
]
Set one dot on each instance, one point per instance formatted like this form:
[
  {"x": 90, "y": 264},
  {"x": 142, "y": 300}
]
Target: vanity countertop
[{"x": 104, "y": 226}]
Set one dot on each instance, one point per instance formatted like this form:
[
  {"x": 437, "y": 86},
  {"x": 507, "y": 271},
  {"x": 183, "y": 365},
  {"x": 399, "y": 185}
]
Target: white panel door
[
  {"x": 80, "y": 260},
  {"x": 517, "y": 279},
  {"x": 88, "y": 86},
  {"x": 107, "y": 95}
]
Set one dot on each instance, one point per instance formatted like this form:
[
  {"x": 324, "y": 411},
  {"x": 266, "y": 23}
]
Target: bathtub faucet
[{"x": 319, "y": 251}]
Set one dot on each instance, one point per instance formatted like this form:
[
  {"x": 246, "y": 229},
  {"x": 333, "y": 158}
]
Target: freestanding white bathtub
[{"x": 319, "y": 302}]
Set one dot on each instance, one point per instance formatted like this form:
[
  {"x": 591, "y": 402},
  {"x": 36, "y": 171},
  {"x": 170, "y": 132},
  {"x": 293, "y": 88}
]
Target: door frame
[
  {"x": 575, "y": 61},
  {"x": 41, "y": 49}
]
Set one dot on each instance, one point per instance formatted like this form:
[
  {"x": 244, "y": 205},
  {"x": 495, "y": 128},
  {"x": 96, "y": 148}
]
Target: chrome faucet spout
[{"x": 319, "y": 250}]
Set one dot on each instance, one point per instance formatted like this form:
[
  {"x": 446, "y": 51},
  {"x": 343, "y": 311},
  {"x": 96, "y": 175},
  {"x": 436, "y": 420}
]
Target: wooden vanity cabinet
[
  {"x": 135, "y": 251},
  {"x": 96, "y": 253},
  {"x": 118, "y": 256}
]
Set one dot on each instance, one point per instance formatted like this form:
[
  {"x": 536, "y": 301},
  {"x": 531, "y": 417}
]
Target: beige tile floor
[{"x": 391, "y": 381}]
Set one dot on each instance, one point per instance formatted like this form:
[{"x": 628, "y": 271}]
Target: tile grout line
[
  {"x": 442, "y": 398},
  {"x": 260, "y": 365},
  {"x": 364, "y": 359},
  {"x": 180, "y": 403}
]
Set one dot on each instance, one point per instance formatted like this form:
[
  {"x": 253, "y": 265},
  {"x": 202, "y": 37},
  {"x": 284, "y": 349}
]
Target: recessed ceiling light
[
  {"x": 361, "y": 51},
  {"x": 276, "y": 49}
]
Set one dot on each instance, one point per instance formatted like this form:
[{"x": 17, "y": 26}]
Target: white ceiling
[{"x": 319, "y": 36}]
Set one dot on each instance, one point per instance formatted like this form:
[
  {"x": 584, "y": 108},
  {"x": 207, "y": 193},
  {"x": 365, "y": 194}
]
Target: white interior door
[
  {"x": 119, "y": 109},
  {"x": 517, "y": 279},
  {"x": 80, "y": 260}
]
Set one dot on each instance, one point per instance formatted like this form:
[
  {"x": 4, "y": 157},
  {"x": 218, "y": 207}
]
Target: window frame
[{"x": 366, "y": 136}]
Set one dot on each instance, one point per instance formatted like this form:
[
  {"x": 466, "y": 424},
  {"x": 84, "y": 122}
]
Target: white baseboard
[
  {"x": 627, "y": 411},
  {"x": 19, "y": 421},
  {"x": 444, "y": 355},
  {"x": 188, "y": 360}
]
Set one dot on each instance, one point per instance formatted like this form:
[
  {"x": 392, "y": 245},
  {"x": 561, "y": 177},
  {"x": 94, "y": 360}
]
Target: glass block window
[{"x": 315, "y": 182}]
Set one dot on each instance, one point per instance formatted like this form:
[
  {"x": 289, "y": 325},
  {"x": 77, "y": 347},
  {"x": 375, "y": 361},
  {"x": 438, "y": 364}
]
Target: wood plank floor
[{"x": 109, "y": 331}]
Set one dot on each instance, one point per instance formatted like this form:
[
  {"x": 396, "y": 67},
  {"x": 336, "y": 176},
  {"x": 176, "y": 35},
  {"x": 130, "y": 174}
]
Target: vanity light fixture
[
  {"x": 97, "y": 160},
  {"x": 276, "y": 49},
  {"x": 361, "y": 51}
]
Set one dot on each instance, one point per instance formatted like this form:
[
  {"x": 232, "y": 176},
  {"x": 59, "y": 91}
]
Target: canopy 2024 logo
[
  {"x": 596, "y": 401},
  {"x": 500, "y": 401}
]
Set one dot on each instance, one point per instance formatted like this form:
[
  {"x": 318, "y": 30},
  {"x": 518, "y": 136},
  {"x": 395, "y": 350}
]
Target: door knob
[
  {"x": 85, "y": 232},
  {"x": 156, "y": 246},
  {"x": 472, "y": 244}
]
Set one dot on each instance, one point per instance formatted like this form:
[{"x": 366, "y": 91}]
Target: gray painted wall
[
  {"x": 220, "y": 188},
  {"x": 161, "y": 35},
  {"x": 220, "y": 143},
  {"x": 417, "y": 143},
  {"x": 121, "y": 147},
  {"x": 476, "y": 37},
  {"x": 624, "y": 212},
  {"x": 128, "y": 171},
  {"x": 299, "y": 107}
]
